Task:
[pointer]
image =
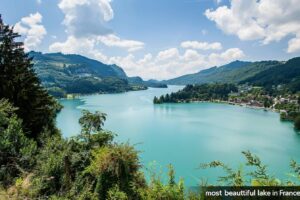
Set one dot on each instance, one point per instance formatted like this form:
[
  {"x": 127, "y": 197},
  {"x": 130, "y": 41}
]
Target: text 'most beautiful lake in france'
[{"x": 186, "y": 135}]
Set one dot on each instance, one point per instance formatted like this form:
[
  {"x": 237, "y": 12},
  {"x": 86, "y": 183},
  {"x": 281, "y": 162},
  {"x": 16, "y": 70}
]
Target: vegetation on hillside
[
  {"x": 233, "y": 72},
  {"x": 68, "y": 74},
  {"x": 283, "y": 75},
  {"x": 64, "y": 74}
]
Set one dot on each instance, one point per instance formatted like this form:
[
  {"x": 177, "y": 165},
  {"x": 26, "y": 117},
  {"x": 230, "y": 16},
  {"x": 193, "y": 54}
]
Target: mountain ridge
[
  {"x": 233, "y": 72},
  {"x": 72, "y": 73}
]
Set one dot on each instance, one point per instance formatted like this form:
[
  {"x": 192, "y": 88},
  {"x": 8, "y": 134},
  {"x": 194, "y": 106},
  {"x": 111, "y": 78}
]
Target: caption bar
[{"x": 252, "y": 192}]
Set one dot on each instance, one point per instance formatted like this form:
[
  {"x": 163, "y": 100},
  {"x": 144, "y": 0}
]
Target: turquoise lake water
[{"x": 187, "y": 135}]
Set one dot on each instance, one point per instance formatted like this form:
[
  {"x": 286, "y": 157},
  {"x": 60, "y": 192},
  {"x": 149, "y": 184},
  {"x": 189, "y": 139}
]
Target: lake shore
[{"x": 235, "y": 104}]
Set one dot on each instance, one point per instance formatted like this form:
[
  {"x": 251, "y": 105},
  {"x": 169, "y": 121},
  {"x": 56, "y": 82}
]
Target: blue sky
[{"x": 159, "y": 38}]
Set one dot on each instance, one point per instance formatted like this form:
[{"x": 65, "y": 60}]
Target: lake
[{"x": 186, "y": 135}]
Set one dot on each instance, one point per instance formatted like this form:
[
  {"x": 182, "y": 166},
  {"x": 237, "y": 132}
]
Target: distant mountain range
[
  {"x": 263, "y": 73},
  {"x": 285, "y": 73},
  {"x": 62, "y": 74},
  {"x": 233, "y": 72}
]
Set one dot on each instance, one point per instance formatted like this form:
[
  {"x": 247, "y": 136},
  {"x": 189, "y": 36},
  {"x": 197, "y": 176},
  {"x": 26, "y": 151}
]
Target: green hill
[
  {"x": 62, "y": 74},
  {"x": 285, "y": 73},
  {"x": 233, "y": 72}
]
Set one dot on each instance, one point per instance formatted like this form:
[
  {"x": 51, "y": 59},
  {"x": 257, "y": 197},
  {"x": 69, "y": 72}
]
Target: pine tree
[{"x": 20, "y": 85}]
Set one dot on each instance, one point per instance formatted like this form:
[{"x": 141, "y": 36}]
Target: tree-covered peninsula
[{"x": 203, "y": 92}]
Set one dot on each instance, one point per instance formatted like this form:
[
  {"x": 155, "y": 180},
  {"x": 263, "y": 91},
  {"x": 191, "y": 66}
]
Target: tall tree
[
  {"x": 20, "y": 85},
  {"x": 16, "y": 150}
]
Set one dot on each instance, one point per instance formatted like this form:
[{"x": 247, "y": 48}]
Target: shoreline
[{"x": 234, "y": 104}]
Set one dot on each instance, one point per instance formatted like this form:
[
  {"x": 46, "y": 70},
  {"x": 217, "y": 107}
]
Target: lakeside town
[{"x": 257, "y": 97}]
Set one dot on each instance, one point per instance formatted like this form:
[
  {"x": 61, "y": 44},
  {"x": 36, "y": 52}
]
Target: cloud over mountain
[
  {"x": 201, "y": 45},
  {"x": 32, "y": 29}
]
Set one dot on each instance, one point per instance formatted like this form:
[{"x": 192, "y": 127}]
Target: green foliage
[
  {"x": 92, "y": 122},
  {"x": 156, "y": 100},
  {"x": 158, "y": 190},
  {"x": 57, "y": 92},
  {"x": 204, "y": 92},
  {"x": 267, "y": 102},
  {"x": 51, "y": 175},
  {"x": 233, "y": 178},
  {"x": 95, "y": 85},
  {"x": 297, "y": 122},
  {"x": 292, "y": 113},
  {"x": 20, "y": 86},
  {"x": 115, "y": 194},
  {"x": 61, "y": 164},
  {"x": 233, "y": 72},
  {"x": 138, "y": 81},
  {"x": 16, "y": 150},
  {"x": 258, "y": 177},
  {"x": 287, "y": 74},
  {"x": 62, "y": 74},
  {"x": 116, "y": 165},
  {"x": 265, "y": 73},
  {"x": 77, "y": 74}
]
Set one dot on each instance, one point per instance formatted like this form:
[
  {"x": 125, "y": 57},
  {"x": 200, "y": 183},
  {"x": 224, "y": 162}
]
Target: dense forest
[
  {"x": 203, "y": 92},
  {"x": 285, "y": 74},
  {"x": 36, "y": 162}
]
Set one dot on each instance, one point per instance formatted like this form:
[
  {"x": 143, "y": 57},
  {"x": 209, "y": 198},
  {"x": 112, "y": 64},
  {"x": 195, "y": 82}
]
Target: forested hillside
[
  {"x": 284, "y": 74},
  {"x": 62, "y": 74},
  {"x": 233, "y": 72}
]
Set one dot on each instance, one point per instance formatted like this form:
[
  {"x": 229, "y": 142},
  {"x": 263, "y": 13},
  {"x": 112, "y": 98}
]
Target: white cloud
[
  {"x": 294, "y": 45},
  {"x": 171, "y": 63},
  {"x": 86, "y": 17},
  {"x": 147, "y": 58},
  {"x": 85, "y": 22},
  {"x": 112, "y": 40},
  {"x": 226, "y": 56},
  {"x": 190, "y": 55},
  {"x": 167, "y": 54},
  {"x": 38, "y": 1},
  {"x": 264, "y": 20},
  {"x": 82, "y": 46},
  {"x": 165, "y": 64},
  {"x": 32, "y": 29},
  {"x": 201, "y": 45}
]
